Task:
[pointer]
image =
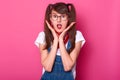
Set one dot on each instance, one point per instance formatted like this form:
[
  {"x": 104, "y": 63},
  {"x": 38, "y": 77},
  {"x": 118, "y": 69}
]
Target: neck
[{"x": 58, "y": 33}]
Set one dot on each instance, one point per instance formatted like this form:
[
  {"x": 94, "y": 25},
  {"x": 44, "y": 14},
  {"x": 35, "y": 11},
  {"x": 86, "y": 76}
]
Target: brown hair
[{"x": 61, "y": 8}]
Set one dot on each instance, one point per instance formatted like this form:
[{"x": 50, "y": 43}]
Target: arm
[
  {"x": 69, "y": 59},
  {"x": 47, "y": 59}
]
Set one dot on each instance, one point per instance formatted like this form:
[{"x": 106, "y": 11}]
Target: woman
[{"x": 59, "y": 43}]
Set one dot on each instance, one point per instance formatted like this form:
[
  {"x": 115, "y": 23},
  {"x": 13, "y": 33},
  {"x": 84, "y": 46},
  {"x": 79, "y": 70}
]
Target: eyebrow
[
  {"x": 60, "y": 14},
  {"x": 53, "y": 13}
]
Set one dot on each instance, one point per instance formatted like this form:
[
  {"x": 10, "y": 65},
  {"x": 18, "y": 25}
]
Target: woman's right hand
[{"x": 53, "y": 31}]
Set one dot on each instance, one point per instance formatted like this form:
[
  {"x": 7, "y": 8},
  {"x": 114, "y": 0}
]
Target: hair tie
[
  {"x": 50, "y": 6},
  {"x": 69, "y": 7}
]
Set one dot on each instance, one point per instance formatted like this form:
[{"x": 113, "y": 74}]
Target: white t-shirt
[{"x": 41, "y": 40}]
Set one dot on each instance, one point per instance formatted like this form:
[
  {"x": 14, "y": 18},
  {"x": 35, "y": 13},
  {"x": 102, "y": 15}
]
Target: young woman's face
[{"x": 58, "y": 21}]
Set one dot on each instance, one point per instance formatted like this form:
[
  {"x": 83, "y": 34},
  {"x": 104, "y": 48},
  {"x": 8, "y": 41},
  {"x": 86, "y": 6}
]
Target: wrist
[
  {"x": 55, "y": 41},
  {"x": 61, "y": 40}
]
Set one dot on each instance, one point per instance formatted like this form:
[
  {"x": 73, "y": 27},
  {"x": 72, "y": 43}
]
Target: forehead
[{"x": 55, "y": 12}]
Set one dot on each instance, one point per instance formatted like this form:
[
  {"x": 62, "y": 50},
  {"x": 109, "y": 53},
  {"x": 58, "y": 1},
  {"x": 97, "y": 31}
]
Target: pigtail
[
  {"x": 48, "y": 38},
  {"x": 72, "y": 31},
  {"x": 72, "y": 12},
  {"x": 48, "y": 12}
]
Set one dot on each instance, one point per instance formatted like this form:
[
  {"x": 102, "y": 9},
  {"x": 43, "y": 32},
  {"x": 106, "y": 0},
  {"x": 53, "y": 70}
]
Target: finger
[
  {"x": 70, "y": 25},
  {"x": 49, "y": 26},
  {"x": 47, "y": 22}
]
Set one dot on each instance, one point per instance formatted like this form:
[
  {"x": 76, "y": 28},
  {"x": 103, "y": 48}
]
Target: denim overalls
[{"x": 58, "y": 72}]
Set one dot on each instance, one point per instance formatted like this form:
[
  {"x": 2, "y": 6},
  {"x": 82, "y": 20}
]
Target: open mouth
[{"x": 59, "y": 26}]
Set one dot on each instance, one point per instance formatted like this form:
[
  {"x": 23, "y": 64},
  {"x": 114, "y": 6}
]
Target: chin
[{"x": 59, "y": 31}]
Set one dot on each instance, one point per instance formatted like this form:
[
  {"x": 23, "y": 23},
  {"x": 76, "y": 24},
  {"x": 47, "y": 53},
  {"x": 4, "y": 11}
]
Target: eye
[
  {"x": 54, "y": 16},
  {"x": 64, "y": 16}
]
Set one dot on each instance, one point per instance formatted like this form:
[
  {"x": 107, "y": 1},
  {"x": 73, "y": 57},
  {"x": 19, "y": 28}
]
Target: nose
[{"x": 59, "y": 19}]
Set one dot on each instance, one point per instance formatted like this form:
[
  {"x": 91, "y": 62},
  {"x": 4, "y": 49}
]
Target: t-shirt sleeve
[
  {"x": 40, "y": 39},
  {"x": 80, "y": 37}
]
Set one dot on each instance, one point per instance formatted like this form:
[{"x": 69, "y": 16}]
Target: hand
[
  {"x": 64, "y": 32},
  {"x": 52, "y": 30}
]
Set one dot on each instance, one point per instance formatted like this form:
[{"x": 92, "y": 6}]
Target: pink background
[{"x": 22, "y": 20}]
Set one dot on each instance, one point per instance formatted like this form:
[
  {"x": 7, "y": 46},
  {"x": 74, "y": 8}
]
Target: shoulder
[
  {"x": 42, "y": 33},
  {"x": 78, "y": 32},
  {"x": 40, "y": 38},
  {"x": 79, "y": 37}
]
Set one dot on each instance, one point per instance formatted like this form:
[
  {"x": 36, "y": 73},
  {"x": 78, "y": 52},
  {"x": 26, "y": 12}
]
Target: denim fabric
[{"x": 58, "y": 72}]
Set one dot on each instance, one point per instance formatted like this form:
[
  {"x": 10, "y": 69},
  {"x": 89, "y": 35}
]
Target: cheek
[
  {"x": 65, "y": 23},
  {"x": 52, "y": 23}
]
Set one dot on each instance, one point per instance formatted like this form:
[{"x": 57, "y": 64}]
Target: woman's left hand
[{"x": 61, "y": 37}]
